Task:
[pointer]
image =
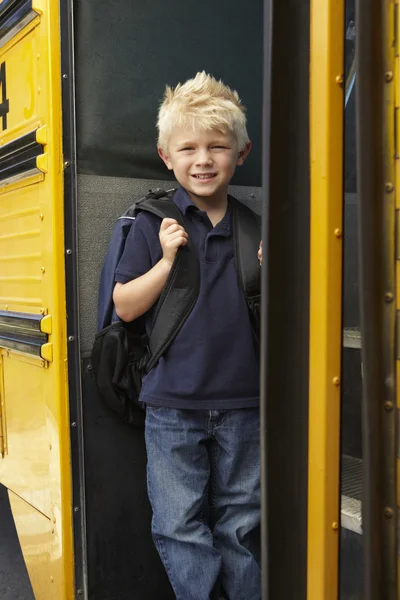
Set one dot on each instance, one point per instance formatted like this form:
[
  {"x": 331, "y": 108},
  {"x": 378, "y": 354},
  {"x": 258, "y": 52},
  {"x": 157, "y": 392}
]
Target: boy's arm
[{"x": 136, "y": 297}]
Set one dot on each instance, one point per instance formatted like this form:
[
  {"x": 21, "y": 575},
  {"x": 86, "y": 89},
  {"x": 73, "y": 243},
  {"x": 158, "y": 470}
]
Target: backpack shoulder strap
[
  {"x": 247, "y": 236},
  {"x": 182, "y": 286}
]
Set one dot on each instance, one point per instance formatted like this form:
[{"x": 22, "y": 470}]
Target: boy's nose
[{"x": 203, "y": 158}]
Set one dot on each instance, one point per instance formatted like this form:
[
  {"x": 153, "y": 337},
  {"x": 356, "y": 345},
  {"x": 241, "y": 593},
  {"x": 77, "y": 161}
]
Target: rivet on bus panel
[
  {"x": 51, "y": 578},
  {"x": 388, "y": 406},
  {"x": 389, "y": 187},
  {"x": 388, "y": 76},
  {"x": 338, "y": 233},
  {"x": 39, "y": 90},
  {"x": 67, "y": 164},
  {"x": 389, "y": 297},
  {"x": 65, "y": 76},
  {"x": 43, "y": 269},
  {"x": 335, "y": 525},
  {"x": 41, "y": 216},
  {"x": 69, "y": 251},
  {"x": 388, "y": 512},
  {"x": 336, "y": 381},
  {"x": 76, "y": 509},
  {"x": 339, "y": 79}
]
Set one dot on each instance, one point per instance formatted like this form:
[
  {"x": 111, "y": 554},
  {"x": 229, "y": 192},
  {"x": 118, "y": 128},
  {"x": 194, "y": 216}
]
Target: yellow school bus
[{"x": 80, "y": 84}]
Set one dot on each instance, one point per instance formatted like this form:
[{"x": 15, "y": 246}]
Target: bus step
[
  {"x": 351, "y": 499},
  {"x": 352, "y": 337}
]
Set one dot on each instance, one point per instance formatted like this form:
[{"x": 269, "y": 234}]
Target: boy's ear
[
  {"x": 243, "y": 154},
  {"x": 165, "y": 158}
]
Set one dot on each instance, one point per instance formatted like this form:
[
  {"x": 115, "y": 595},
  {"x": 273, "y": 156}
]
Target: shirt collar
[
  {"x": 185, "y": 205},
  {"x": 182, "y": 200}
]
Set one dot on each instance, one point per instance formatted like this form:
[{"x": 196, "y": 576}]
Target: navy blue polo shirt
[{"x": 212, "y": 363}]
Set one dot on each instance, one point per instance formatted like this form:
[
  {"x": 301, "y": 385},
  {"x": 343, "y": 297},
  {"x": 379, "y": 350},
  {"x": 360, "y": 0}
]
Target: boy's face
[{"x": 203, "y": 161}]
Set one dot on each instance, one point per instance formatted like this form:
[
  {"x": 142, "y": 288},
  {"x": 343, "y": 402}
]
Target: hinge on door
[
  {"x": 397, "y": 234},
  {"x": 397, "y": 335},
  {"x": 398, "y": 432},
  {"x": 398, "y": 532}
]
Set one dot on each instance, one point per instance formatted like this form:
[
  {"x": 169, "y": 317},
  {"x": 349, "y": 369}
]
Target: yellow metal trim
[
  {"x": 9, "y": 187},
  {"x": 3, "y": 428},
  {"x": 16, "y": 38},
  {"x": 36, "y": 361},
  {"x": 59, "y": 406},
  {"x": 397, "y": 204},
  {"x": 42, "y": 163},
  {"x": 388, "y": 201},
  {"x": 41, "y": 135},
  {"x": 326, "y": 146},
  {"x": 39, "y": 6},
  {"x": 38, "y": 426},
  {"x": 46, "y": 324},
  {"x": 46, "y": 352},
  {"x": 13, "y": 133}
]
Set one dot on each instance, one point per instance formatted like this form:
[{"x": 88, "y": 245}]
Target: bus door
[
  {"x": 351, "y": 538},
  {"x": 34, "y": 416},
  {"x": 352, "y": 504}
]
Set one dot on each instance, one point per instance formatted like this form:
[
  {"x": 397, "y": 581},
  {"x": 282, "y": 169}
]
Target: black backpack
[{"x": 122, "y": 352}]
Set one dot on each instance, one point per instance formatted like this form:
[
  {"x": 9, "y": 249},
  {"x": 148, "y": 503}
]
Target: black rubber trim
[
  {"x": 369, "y": 65},
  {"x": 266, "y": 162},
  {"x": 285, "y": 300},
  {"x": 19, "y": 157},
  {"x": 21, "y": 332},
  {"x": 11, "y": 13},
  {"x": 72, "y": 299}
]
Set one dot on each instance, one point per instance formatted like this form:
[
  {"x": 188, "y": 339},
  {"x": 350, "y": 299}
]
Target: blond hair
[{"x": 204, "y": 104}]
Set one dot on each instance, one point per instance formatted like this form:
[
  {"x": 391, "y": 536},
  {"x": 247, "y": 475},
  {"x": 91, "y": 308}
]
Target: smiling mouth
[{"x": 204, "y": 176}]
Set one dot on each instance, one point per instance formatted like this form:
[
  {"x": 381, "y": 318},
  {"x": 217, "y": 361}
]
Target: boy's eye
[
  {"x": 220, "y": 147},
  {"x": 185, "y": 149}
]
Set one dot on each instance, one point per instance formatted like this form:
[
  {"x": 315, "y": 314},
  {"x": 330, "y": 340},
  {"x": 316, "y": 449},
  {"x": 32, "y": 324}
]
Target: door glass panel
[{"x": 351, "y": 570}]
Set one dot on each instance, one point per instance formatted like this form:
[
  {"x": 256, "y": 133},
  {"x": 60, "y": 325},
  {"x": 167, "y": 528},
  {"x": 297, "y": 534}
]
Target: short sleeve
[{"x": 142, "y": 249}]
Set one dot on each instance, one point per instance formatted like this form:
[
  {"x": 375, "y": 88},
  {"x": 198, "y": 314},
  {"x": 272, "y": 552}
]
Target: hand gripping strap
[
  {"x": 181, "y": 289},
  {"x": 247, "y": 236}
]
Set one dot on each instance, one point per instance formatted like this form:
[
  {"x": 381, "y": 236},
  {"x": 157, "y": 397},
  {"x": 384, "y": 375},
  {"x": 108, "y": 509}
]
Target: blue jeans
[{"x": 203, "y": 476}]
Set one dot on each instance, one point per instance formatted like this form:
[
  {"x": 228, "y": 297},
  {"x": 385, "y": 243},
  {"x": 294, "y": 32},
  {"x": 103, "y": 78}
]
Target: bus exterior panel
[{"x": 34, "y": 445}]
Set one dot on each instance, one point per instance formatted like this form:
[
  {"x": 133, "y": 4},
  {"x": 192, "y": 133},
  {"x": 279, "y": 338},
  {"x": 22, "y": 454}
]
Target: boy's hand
[
  {"x": 259, "y": 253},
  {"x": 172, "y": 236}
]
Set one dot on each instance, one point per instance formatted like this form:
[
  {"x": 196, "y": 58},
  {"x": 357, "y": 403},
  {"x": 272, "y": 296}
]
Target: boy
[{"x": 202, "y": 398}]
